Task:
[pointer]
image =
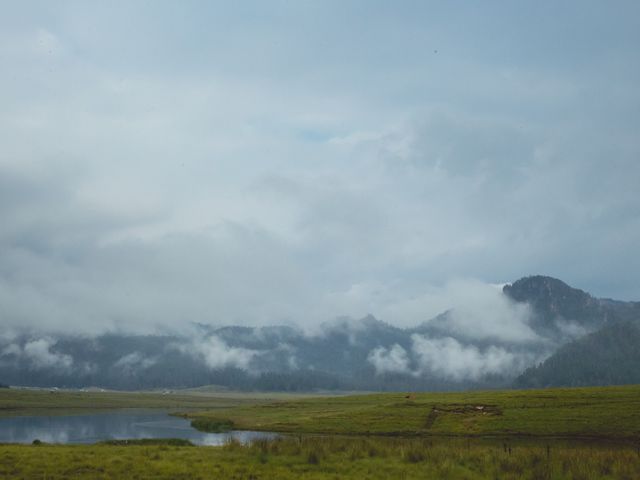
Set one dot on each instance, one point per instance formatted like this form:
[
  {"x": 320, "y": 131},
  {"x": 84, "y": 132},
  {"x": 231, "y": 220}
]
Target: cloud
[
  {"x": 39, "y": 355},
  {"x": 134, "y": 362},
  {"x": 449, "y": 358},
  {"x": 12, "y": 349},
  {"x": 217, "y": 354},
  {"x": 389, "y": 360},
  {"x": 481, "y": 311},
  {"x": 571, "y": 330},
  {"x": 280, "y": 169},
  {"x": 289, "y": 353},
  {"x": 475, "y": 309}
]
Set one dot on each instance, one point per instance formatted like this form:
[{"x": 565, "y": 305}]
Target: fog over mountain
[{"x": 463, "y": 347}]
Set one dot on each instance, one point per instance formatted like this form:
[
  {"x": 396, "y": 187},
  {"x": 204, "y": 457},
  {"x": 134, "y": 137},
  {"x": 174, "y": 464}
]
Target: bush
[
  {"x": 212, "y": 425},
  {"x": 173, "y": 442},
  {"x": 415, "y": 455},
  {"x": 313, "y": 458}
]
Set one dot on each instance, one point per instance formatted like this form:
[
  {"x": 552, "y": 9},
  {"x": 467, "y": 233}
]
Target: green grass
[
  {"x": 568, "y": 412},
  {"x": 214, "y": 425},
  {"x": 410, "y": 436},
  {"x": 323, "y": 458},
  {"x": 174, "y": 442},
  {"x": 65, "y": 402}
]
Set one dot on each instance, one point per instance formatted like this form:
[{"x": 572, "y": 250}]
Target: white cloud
[
  {"x": 571, "y": 329},
  {"x": 389, "y": 360},
  {"x": 217, "y": 354},
  {"x": 134, "y": 362},
  {"x": 449, "y": 358},
  {"x": 482, "y": 311},
  {"x": 476, "y": 309},
  {"x": 39, "y": 355}
]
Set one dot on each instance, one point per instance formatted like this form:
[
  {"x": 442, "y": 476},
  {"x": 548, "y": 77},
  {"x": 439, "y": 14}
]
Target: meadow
[
  {"x": 599, "y": 412},
  {"x": 325, "y": 458},
  {"x": 577, "y": 434},
  {"x": 66, "y": 402}
]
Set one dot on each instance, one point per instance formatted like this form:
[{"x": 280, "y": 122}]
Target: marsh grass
[
  {"x": 174, "y": 442},
  {"x": 598, "y": 412},
  {"x": 214, "y": 425},
  {"x": 430, "y": 435},
  {"x": 325, "y": 458},
  {"x": 15, "y": 402}
]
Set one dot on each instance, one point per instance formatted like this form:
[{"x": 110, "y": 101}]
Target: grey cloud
[
  {"x": 143, "y": 190},
  {"x": 12, "y": 349},
  {"x": 342, "y": 325}
]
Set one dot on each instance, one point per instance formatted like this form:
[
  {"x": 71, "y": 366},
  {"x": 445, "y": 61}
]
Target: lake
[{"x": 96, "y": 427}]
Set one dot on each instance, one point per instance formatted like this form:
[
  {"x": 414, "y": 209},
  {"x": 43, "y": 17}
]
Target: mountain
[
  {"x": 557, "y": 305},
  {"x": 605, "y": 351},
  {"x": 609, "y": 356},
  {"x": 486, "y": 344},
  {"x": 253, "y": 358}
]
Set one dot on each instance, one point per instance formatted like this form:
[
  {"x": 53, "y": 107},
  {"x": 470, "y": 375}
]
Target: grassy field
[
  {"x": 15, "y": 402},
  {"x": 323, "y": 458},
  {"x": 572, "y": 412},
  {"x": 472, "y": 435}
]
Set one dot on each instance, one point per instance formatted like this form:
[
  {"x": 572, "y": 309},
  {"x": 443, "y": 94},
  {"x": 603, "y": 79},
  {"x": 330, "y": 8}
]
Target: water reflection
[{"x": 112, "y": 426}]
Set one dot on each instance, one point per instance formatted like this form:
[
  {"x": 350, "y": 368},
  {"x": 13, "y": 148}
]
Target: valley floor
[
  {"x": 323, "y": 458},
  {"x": 595, "y": 412},
  {"x": 31, "y": 401},
  {"x": 527, "y": 434}
]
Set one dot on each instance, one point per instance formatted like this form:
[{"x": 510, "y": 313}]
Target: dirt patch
[
  {"x": 460, "y": 409},
  {"x": 431, "y": 418}
]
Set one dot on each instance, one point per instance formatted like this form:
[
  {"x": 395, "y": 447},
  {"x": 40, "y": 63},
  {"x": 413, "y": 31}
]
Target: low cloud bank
[
  {"x": 390, "y": 360},
  {"x": 448, "y": 358},
  {"x": 135, "y": 362},
  {"x": 476, "y": 332},
  {"x": 217, "y": 354},
  {"x": 38, "y": 354}
]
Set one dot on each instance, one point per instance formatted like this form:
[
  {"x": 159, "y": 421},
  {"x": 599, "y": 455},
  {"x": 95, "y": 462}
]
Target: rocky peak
[{"x": 553, "y": 300}]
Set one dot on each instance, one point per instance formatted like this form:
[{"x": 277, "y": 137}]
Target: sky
[{"x": 294, "y": 161}]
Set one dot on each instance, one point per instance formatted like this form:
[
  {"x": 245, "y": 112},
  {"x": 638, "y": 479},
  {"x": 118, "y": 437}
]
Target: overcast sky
[{"x": 291, "y": 161}]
